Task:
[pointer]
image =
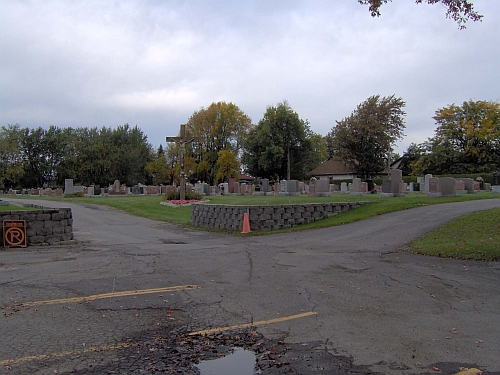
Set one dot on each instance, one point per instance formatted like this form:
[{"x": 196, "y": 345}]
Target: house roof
[
  {"x": 246, "y": 177},
  {"x": 333, "y": 167}
]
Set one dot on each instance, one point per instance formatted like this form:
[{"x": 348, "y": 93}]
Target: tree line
[
  {"x": 46, "y": 157},
  {"x": 280, "y": 146}
]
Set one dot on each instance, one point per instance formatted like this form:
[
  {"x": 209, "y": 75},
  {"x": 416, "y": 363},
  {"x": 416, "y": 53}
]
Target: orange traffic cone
[{"x": 246, "y": 224}]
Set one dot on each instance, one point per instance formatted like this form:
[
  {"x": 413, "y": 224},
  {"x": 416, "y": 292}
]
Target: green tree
[
  {"x": 318, "y": 153},
  {"x": 365, "y": 138},
  {"x": 467, "y": 139},
  {"x": 221, "y": 126},
  {"x": 164, "y": 167},
  {"x": 34, "y": 154},
  {"x": 411, "y": 157},
  {"x": 227, "y": 166},
  {"x": 131, "y": 154},
  {"x": 278, "y": 145},
  {"x": 460, "y": 11},
  {"x": 92, "y": 158},
  {"x": 11, "y": 169}
]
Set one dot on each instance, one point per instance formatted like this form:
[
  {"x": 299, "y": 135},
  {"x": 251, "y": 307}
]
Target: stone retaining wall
[
  {"x": 44, "y": 226},
  {"x": 263, "y": 218}
]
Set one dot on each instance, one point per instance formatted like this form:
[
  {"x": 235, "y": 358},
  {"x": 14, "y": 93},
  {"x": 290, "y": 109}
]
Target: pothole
[
  {"x": 171, "y": 242},
  {"x": 238, "y": 361}
]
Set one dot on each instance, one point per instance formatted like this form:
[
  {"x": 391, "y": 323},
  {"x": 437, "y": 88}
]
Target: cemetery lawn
[
  {"x": 475, "y": 236},
  {"x": 12, "y": 207},
  {"x": 150, "y": 207}
]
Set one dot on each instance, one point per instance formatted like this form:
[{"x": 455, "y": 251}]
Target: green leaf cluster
[
  {"x": 467, "y": 140},
  {"x": 46, "y": 157},
  {"x": 281, "y": 145},
  {"x": 366, "y": 137},
  {"x": 220, "y": 131}
]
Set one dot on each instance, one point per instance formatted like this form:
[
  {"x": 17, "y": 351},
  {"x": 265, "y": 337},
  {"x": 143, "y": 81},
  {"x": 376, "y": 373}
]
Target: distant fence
[
  {"x": 262, "y": 218},
  {"x": 44, "y": 226}
]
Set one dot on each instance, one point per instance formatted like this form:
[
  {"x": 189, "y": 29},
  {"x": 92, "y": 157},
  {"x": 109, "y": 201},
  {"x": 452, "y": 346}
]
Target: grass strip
[{"x": 475, "y": 236}]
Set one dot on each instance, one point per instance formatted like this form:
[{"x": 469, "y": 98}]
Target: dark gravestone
[
  {"x": 370, "y": 184},
  {"x": 496, "y": 178},
  {"x": 386, "y": 186},
  {"x": 265, "y": 185},
  {"x": 97, "y": 190}
]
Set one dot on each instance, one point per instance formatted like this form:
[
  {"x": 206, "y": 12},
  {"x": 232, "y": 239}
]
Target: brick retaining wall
[
  {"x": 221, "y": 216},
  {"x": 45, "y": 226}
]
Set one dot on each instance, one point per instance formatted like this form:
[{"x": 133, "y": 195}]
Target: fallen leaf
[{"x": 469, "y": 371}]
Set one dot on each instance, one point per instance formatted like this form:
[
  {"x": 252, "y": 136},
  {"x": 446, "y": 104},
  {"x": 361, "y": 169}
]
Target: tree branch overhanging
[{"x": 459, "y": 11}]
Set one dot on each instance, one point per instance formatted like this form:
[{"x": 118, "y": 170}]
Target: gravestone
[
  {"x": 433, "y": 188},
  {"x": 236, "y": 188},
  {"x": 225, "y": 188},
  {"x": 58, "y": 192},
  {"x": 243, "y": 188},
  {"x": 136, "y": 190},
  {"x": 78, "y": 189},
  {"x": 302, "y": 187},
  {"x": 68, "y": 186},
  {"x": 447, "y": 186},
  {"x": 343, "y": 188},
  {"x": 323, "y": 187},
  {"x": 370, "y": 185},
  {"x": 276, "y": 188},
  {"x": 386, "y": 189},
  {"x": 386, "y": 186},
  {"x": 312, "y": 187},
  {"x": 356, "y": 187},
  {"x": 282, "y": 187},
  {"x": 231, "y": 183},
  {"x": 397, "y": 183},
  {"x": 117, "y": 187},
  {"x": 198, "y": 189},
  {"x": 426, "y": 183},
  {"x": 469, "y": 185},
  {"x": 460, "y": 187},
  {"x": 205, "y": 188},
  {"x": 265, "y": 186},
  {"x": 292, "y": 187}
]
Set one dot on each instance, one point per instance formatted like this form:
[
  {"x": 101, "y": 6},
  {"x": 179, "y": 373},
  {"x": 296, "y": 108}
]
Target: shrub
[{"x": 190, "y": 195}]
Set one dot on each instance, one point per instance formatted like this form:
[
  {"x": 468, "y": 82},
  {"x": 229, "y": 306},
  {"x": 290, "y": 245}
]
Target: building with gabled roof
[{"x": 334, "y": 169}]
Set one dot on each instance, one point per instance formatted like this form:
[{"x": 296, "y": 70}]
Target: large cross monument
[{"x": 181, "y": 141}]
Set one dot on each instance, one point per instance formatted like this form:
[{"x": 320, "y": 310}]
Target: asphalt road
[{"x": 360, "y": 298}]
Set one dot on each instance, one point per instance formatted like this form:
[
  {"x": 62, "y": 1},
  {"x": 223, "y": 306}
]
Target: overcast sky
[{"x": 153, "y": 63}]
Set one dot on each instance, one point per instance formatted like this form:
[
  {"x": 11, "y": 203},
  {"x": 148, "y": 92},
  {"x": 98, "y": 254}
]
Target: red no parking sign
[{"x": 14, "y": 233}]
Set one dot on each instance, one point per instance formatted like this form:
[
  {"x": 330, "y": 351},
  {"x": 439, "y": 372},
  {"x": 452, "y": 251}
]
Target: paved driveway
[{"x": 343, "y": 292}]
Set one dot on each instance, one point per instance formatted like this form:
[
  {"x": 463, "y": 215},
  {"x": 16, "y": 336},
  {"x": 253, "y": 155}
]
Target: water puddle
[{"x": 240, "y": 362}]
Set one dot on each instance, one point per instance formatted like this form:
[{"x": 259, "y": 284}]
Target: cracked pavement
[{"x": 386, "y": 310}]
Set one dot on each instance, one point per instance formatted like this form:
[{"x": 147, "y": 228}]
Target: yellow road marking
[
  {"x": 133, "y": 344},
  {"x": 109, "y": 295},
  {"x": 68, "y": 353},
  {"x": 259, "y": 323}
]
